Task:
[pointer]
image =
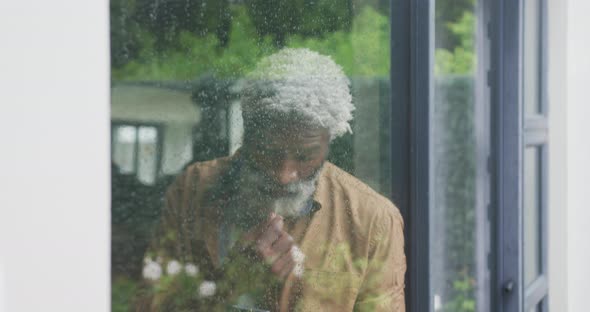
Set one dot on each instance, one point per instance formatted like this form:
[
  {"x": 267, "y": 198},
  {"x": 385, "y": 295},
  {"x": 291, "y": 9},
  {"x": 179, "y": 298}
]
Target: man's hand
[{"x": 276, "y": 247}]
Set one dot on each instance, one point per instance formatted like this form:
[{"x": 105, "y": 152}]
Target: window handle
[{"x": 508, "y": 286}]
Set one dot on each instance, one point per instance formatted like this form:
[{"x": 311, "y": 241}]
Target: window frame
[
  {"x": 535, "y": 134},
  {"x": 412, "y": 35},
  {"x": 412, "y": 39},
  {"x": 506, "y": 156},
  {"x": 513, "y": 131}
]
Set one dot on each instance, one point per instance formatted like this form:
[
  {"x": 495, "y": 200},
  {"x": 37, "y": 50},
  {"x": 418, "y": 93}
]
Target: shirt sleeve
[
  {"x": 169, "y": 239},
  {"x": 383, "y": 285}
]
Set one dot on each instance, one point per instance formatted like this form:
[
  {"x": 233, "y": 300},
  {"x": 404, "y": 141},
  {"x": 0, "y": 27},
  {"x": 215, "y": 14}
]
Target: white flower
[
  {"x": 174, "y": 267},
  {"x": 152, "y": 270},
  {"x": 207, "y": 289},
  {"x": 298, "y": 270},
  {"x": 297, "y": 255},
  {"x": 191, "y": 269}
]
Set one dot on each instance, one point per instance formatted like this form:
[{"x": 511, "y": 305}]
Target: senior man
[{"x": 325, "y": 240}]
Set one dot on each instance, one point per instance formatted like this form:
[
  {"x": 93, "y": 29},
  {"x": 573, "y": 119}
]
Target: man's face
[{"x": 287, "y": 156}]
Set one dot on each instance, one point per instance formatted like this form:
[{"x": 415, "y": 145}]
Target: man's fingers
[
  {"x": 283, "y": 265},
  {"x": 258, "y": 230},
  {"x": 277, "y": 247},
  {"x": 283, "y": 244},
  {"x": 271, "y": 234}
]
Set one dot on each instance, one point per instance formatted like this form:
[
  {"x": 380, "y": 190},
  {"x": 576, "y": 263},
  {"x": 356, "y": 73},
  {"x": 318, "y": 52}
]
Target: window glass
[
  {"x": 532, "y": 214},
  {"x": 147, "y": 159},
  {"x": 223, "y": 113},
  {"x": 532, "y": 57},
  {"x": 459, "y": 147},
  {"x": 124, "y": 148},
  {"x": 135, "y": 150}
]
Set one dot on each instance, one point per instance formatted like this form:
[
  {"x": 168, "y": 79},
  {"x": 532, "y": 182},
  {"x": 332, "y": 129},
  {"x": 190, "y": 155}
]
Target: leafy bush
[
  {"x": 461, "y": 59},
  {"x": 364, "y": 51}
]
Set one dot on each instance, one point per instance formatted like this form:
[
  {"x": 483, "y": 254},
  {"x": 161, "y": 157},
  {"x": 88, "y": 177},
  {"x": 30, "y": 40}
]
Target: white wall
[
  {"x": 578, "y": 154},
  {"x": 569, "y": 216},
  {"x": 557, "y": 184},
  {"x": 54, "y": 157}
]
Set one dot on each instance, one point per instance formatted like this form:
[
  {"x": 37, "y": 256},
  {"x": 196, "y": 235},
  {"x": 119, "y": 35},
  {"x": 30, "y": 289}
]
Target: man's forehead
[{"x": 291, "y": 135}]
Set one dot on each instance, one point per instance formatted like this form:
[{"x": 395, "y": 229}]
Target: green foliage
[
  {"x": 446, "y": 11},
  {"x": 364, "y": 51},
  {"x": 463, "y": 300},
  {"x": 196, "y": 56},
  {"x": 461, "y": 60},
  {"x": 456, "y": 152},
  {"x": 166, "y": 20},
  {"x": 124, "y": 32},
  {"x": 123, "y": 290},
  {"x": 280, "y": 19},
  {"x": 455, "y": 62}
]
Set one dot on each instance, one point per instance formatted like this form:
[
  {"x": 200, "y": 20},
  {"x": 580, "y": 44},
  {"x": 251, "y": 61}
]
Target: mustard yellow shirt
[{"x": 352, "y": 240}]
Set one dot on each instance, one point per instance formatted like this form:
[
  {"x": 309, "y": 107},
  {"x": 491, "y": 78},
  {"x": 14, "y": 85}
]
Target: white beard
[{"x": 291, "y": 205}]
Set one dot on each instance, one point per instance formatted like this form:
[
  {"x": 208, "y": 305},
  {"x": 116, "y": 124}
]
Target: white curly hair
[{"x": 302, "y": 83}]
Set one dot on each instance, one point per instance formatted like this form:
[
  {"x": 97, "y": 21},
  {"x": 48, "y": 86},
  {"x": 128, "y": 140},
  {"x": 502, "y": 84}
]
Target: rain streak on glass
[{"x": 251, "y": 164}]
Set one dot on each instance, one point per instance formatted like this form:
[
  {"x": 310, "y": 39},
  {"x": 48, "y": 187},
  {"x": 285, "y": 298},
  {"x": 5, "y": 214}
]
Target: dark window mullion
[
  {"x": 400, "y": 130},
  {"x": 422, "y": 30},
  {"x": 507, "y": 290},
  {"x": 411, "y": 64}
]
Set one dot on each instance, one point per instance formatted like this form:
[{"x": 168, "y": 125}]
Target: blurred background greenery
[{"x": 182, "y": 40}]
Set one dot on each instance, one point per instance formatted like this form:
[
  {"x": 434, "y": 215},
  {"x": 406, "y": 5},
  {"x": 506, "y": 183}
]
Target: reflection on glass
[
  {"x": 239, "y": 136},
  {"x": 146, "y": 171},
  {"x": 124, "y": 148},
  {"x": 532, "y": 56},
  {"x": 532, "y": 217},
  {"x": 459, "y": 232}
]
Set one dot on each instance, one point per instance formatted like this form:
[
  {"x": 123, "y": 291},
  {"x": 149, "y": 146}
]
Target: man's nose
[{"x": 286, "y": 172}]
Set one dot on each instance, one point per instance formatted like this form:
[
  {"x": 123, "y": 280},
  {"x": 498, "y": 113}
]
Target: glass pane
[
  {"x": 532, "y": 214},
  {"x": 459, "y": 230},
  {"x": 124, "y": 148},
  {"x": 262, "y": 108},
  {"x": 532, "y": 56}
]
